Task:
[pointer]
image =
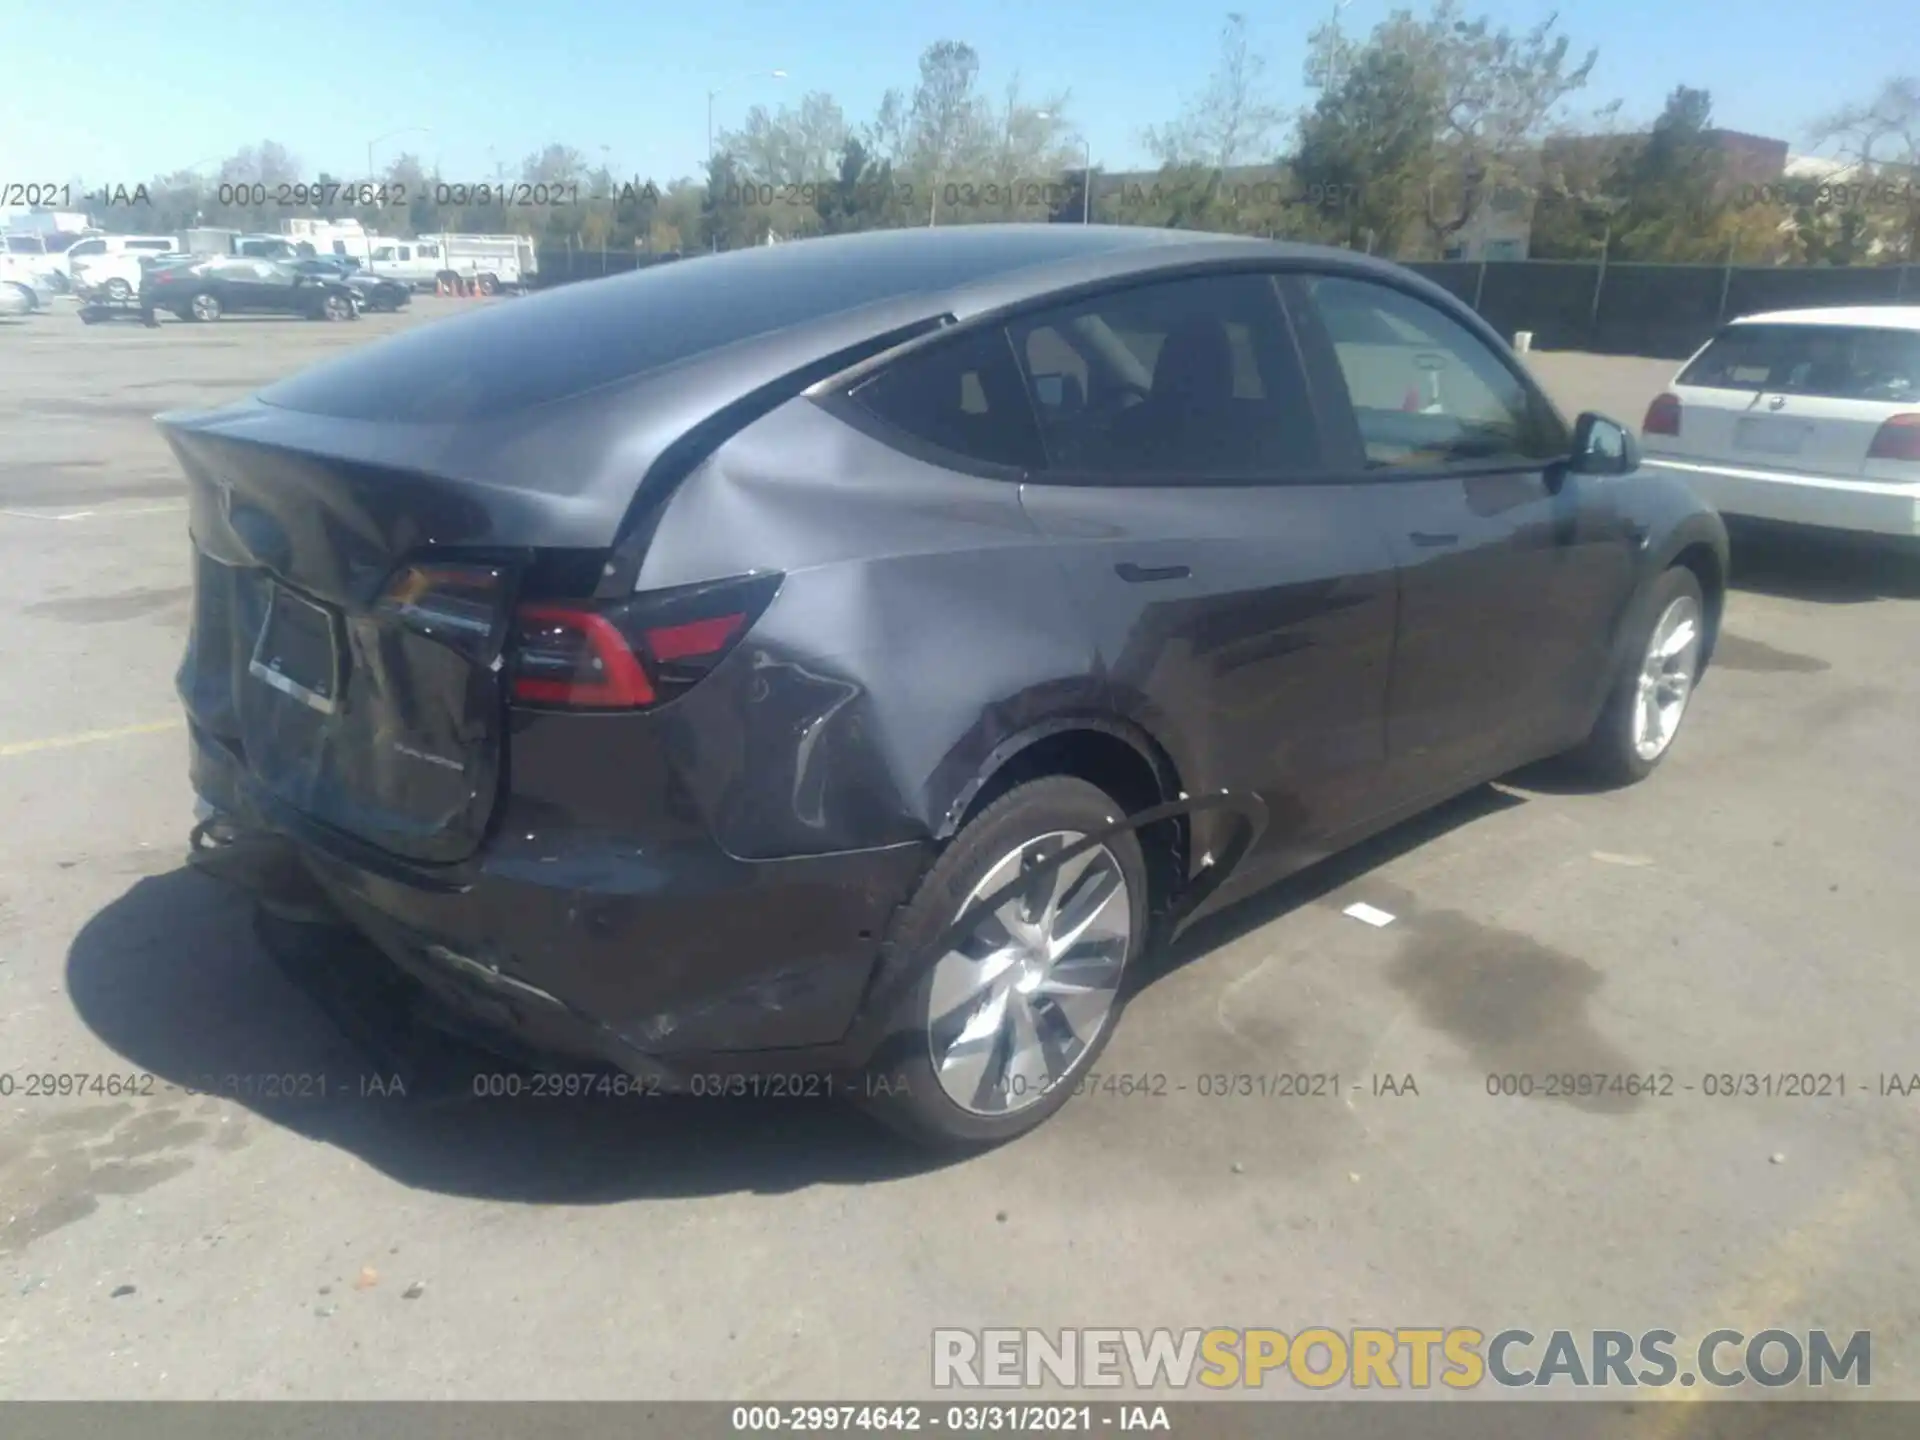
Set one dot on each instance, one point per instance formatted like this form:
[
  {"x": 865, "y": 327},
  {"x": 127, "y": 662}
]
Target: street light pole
[
  {"x": 404, "y": 130},
  {"x": 1086, "y": 181}
]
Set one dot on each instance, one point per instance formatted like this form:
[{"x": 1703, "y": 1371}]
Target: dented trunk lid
[{"x": 350, "y": 608}]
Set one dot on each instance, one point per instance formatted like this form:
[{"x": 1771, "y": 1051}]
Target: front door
[{"x": 1512, "y": 571}]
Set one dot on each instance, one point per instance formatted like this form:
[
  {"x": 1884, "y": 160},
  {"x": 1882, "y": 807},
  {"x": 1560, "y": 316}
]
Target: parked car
[
  {"x": 375, "y": 292},
  {"x": 43, "y": 253},
  {"x": 94, "y": 259},
  {"x": 1808, "y": 417},
  {"x": 27, "y": 286},
  {"x": 844, "y": 659},
  {"x": 114, "y": 277},
  {"x": 209, "y": 288}
]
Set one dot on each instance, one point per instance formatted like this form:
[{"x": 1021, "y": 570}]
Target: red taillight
[
  {"x": 566, "y": 656},
  {"x": 1898, "y": 439},
  {"x": 1663, "y": 416},
  {"x": 640, "y": 653},
  {"x": 693, "y": 639}
]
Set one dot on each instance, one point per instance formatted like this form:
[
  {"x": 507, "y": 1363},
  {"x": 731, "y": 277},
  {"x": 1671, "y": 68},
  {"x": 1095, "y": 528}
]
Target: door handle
[
  {"x": 1138, "y": 574},
  {"x": 1430, "y": 540}
]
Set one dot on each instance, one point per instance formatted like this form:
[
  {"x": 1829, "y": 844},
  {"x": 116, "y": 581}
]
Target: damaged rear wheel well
[{"x": 1120, "y": 769}]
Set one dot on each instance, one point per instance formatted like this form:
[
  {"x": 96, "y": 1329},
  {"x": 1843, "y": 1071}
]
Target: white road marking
[{"x": 98, "y": 514}]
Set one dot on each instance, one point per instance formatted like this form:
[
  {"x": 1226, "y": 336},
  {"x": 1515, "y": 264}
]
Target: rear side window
[
  {"x": 1180, "y": 382},
  {"x": 1829, "y": 361},
  {"x": 1425, "y": 390},
  {"x": 963, "y": 396}
]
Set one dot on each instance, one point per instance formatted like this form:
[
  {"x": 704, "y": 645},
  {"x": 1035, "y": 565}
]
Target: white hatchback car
[{"x": 1808, "y": 417}]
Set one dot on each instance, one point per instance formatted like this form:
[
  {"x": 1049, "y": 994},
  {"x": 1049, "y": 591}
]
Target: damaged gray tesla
[{"x": 849, "y": 659}]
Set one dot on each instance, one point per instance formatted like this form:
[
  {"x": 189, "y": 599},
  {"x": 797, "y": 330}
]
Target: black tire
[
  {"x": 488, "y": 284},
  {"x": 204, "y": 307},
  {"x": 119, "y": 291},
  {"x": 1609, "y": 754},
  {"x": 900, "y": 1086}
]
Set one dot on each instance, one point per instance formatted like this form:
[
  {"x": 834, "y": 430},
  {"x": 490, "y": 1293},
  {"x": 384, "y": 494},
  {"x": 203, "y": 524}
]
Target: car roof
[
  {"x": 749, "y": 315},
  {"x": 1869, "y": 317}
]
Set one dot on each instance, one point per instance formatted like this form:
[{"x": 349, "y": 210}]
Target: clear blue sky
[{"x": 179, "y": 85}]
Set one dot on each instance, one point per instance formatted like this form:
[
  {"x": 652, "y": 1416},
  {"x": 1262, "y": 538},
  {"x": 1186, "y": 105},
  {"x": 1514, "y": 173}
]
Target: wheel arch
[
  {"x": 1113, "y": 755},
  {"x": 1710, "y": 569}
]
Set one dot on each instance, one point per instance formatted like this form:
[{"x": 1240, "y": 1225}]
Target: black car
[
  {"x": 206, "y": 289},
  {"x": 374, "y": 292},
  {"x": 831, "y": 667}
]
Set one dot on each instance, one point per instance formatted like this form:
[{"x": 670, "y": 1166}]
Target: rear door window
[
  {"x": 1184, "y": 381},
  {"x": 962, "y": 396},
  {"x": 1826, "y": 361}
]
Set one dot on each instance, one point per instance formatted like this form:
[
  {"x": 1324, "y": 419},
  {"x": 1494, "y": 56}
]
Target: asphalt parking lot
[{"x": 1751, "y": 910}]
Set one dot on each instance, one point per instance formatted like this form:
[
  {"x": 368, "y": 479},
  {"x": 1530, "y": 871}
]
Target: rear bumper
[
  {"x": 680, "y": 962},
  {"x": 1874, "y": 507}
]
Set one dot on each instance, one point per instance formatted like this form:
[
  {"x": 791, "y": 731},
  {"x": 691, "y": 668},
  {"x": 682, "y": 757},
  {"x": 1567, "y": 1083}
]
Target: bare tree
[
  {"x": 1499, "y": 95},
  {"x": 1885, "y": 130},
  {"x": 796, "y": 144},
  {"x": 950, "y": 118},
  {"x": 1231, "y": 121},
  {"x": 1880, "y": 135}
]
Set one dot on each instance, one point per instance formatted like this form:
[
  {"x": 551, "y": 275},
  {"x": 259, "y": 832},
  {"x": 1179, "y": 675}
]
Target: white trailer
[{"x": 487, "y": 262}]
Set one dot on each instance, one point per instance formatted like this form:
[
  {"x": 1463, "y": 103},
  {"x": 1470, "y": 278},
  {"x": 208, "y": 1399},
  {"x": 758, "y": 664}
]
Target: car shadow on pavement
[
  {"x": 1824, "y": 569},
  {"x": 171, "y": 978},
  {"x": 1316, "y": 882}
]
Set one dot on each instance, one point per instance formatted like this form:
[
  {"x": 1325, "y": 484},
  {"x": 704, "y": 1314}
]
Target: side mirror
[{"x": 1603, "y": 447}]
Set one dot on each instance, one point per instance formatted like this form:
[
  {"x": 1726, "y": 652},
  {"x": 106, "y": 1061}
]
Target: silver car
[{"x": 22, "y": 288}]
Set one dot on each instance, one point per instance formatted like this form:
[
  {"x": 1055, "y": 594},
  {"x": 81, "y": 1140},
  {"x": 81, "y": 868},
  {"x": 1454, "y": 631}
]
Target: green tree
[
  {"x": 1366, "y": 150},
  {"x": 1672, "y": 205},
  {"x": 862, "y": 196}
]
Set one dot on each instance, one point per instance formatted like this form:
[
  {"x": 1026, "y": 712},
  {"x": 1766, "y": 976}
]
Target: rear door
[
  {"x": 1240, "y": 596},
  {"x": 1792, "y": 398},
  {"x": 1511, "y": 570},
  {"x": 248, "y": 284}
]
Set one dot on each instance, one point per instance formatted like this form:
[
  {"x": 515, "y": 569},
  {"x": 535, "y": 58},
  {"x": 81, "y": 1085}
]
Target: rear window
[{"x": 1834, "y": 362}]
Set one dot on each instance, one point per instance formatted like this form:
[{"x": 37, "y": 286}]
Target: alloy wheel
[
  {"x": 1667, "y": 675},
  {"x": 1018, "y": 1001}
]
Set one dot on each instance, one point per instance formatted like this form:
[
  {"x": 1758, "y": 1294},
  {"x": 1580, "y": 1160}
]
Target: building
[{"x": 1499, "y": 228}]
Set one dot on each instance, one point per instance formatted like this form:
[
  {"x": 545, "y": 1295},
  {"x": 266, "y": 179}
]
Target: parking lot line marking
[
  {"x": 1762, "y": 1296},
  {"x": 87, "y": 737},
  {"x": 97, "y": 514}
]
